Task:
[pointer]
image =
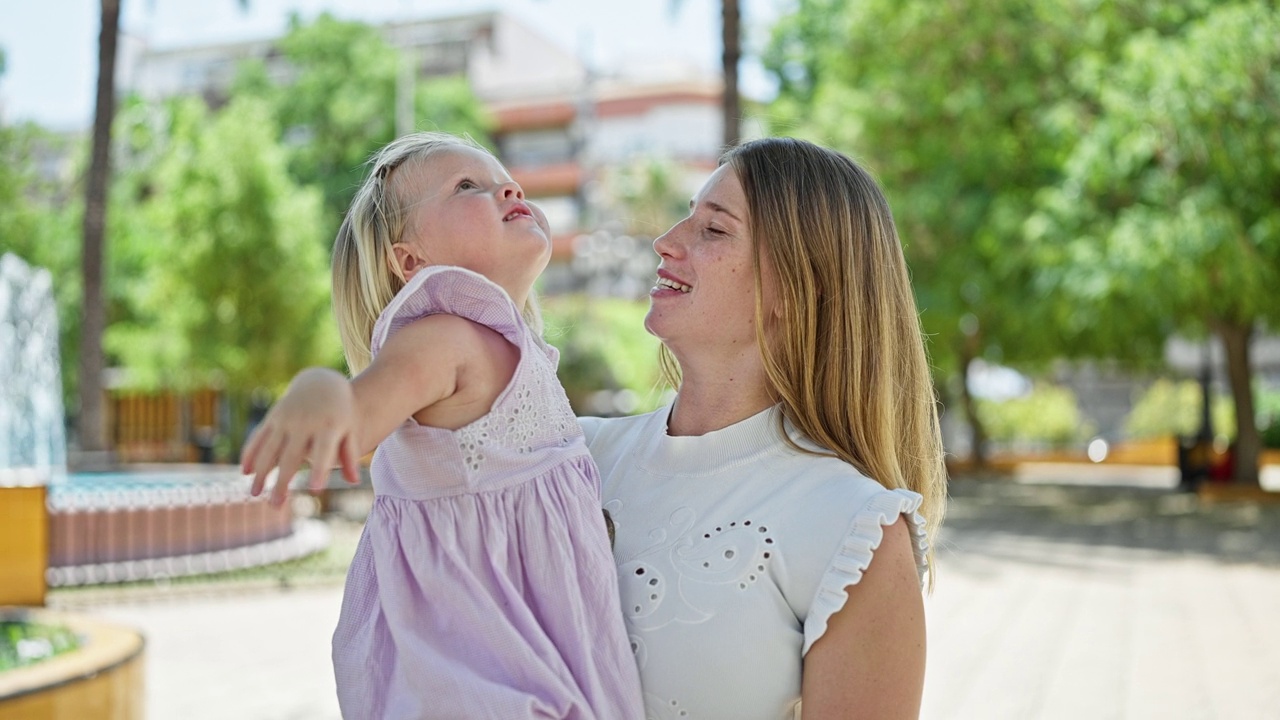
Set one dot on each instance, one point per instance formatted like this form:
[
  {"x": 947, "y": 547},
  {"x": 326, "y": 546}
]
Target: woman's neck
[{"x": 712, "y": 398}]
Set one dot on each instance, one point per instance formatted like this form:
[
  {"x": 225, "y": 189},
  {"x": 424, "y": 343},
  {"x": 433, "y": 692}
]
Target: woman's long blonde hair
[
  {"x": 365, "y": 274},
  {"x": 846, "y": 359}
]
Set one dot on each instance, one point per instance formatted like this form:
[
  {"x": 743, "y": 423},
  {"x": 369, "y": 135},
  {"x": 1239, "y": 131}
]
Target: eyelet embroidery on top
[
  {"x": 656, "y": 708},
  {"x": 736, "y": 555},
  {"x": 761, "y": 557},
  {"x": 536, "y": 411}
]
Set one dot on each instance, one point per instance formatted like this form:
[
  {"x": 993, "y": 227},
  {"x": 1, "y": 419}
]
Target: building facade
[{"x": 558, "y": 127}]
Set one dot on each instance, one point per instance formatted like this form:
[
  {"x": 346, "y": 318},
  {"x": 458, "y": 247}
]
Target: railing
[{"x": 164, "y": 426}]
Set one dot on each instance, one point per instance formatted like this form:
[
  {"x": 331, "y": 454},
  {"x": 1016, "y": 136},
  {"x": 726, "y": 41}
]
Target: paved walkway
[
  {"x": 1083, "y": 602},
  {"x": 1065, "y": 600}
]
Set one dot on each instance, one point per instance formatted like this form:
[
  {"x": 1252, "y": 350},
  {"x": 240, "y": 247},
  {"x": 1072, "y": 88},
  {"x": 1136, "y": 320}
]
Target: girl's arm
[
  {"x": 870, "y": 661},
  {"x": 442, "y": 370}
]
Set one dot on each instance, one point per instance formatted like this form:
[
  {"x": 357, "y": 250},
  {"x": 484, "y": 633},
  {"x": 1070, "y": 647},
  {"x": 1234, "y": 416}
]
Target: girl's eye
[{"x": 466, "y": 184}]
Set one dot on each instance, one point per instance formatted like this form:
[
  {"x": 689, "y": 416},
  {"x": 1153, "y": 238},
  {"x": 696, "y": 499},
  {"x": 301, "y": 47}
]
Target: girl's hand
[{"x": 314, "y": 421}]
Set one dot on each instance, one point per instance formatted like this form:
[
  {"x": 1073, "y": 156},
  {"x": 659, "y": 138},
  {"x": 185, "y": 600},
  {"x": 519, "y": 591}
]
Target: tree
[
  {"x": 967, "y": 111},
  {"x": 230, "y": 286},
  {"x": 91, "y": 419},
  {"x": 731, "y": 53},
  {"x": 1174, "y": 182},
  {"x": 731, "y": 42},
  {"x": 338, "y": 105},
  {"x": 952, "y": 105}
]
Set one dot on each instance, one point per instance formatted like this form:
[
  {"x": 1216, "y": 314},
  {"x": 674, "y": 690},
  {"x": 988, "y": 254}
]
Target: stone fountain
[
  {"x": 103, "y": 676},
  {"x": 32, "y": 446}
]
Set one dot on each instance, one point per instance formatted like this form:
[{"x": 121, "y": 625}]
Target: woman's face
[{"x": 705, "y": 297}]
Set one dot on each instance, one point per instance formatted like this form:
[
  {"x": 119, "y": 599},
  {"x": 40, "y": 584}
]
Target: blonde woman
[{"x": 773, "y": 523}]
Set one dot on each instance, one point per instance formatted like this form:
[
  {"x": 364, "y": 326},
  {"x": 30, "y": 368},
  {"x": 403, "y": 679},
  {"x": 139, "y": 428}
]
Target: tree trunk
[
  {"x": 91, "y": 423},
  {"x": 1248, "y": 446},
  {"x": 978, "y": 442},
  {"x": 731, "y": 37}
]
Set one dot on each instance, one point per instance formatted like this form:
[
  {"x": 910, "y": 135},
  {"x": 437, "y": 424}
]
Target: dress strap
[{"x": 450, "y": 290}]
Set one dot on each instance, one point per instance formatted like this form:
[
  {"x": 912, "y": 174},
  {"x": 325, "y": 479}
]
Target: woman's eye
[{"x": 715, "y": 230}]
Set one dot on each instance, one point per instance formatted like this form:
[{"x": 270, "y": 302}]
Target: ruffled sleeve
[
  {"x": 855, "y": 553},
  {"x": 445, "y": 289}
]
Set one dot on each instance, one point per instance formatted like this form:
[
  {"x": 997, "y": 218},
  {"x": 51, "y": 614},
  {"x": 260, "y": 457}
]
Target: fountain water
[
  {"x": 32, "y": 451},
  {"x": 32, "y": 445}
]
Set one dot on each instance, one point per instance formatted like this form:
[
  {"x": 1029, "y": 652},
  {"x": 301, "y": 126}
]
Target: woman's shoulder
[{"x": 829, "y": 519}]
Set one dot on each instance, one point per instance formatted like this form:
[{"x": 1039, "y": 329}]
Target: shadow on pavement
[{"x": 1085, "y": 526}]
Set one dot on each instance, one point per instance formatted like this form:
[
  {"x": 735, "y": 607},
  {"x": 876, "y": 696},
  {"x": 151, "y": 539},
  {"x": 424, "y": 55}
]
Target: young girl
[{"x": 483, "y": 585}]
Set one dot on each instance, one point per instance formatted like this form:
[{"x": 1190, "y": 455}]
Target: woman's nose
[{"x": 667, "y": 244}]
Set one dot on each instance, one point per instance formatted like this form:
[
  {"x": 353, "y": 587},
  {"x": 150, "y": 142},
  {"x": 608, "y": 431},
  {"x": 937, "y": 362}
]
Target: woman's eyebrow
[{"x": 722, "y": 209}]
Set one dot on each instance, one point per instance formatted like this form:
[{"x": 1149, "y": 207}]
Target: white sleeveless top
[{"x": 733, "y": 550}]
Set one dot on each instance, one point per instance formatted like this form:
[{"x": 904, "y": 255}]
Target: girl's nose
[{"x": 511, "y": 189}]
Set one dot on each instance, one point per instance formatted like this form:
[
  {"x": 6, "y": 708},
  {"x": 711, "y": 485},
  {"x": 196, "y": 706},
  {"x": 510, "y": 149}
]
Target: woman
[{"x": 773, "y": 523}]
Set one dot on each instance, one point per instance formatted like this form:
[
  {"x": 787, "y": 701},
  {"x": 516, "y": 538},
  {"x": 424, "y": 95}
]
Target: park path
[{"x": 1060, "y": 596}]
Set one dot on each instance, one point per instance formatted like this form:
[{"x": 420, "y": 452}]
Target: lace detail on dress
[{"x": 534, "y": 414}]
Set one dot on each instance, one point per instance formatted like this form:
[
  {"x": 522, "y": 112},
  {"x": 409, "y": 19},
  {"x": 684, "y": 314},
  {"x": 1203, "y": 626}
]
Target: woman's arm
[
  {"x": 870, "y": 661},
  {"x": 443, "y": 370}
]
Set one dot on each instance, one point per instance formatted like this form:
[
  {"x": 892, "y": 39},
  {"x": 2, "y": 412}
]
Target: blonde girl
[{"x": 482, "y": 586}]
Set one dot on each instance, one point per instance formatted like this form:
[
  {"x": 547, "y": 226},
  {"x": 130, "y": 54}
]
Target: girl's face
[
  {"x": 705, "y": 296},
  {"x": 467, "y": 211}
]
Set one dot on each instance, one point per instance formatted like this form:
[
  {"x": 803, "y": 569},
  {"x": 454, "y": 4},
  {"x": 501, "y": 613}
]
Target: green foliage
[
  {"x": 1171, "y": 187},
  {"x": 603, "y": 346},
  {"x": 1268, "y": 405},
  {"x": 1048, "y": 415},
  {"x": 649, "y": 195},
  {"x": 23, "y": 643},
  {"x": 1070, "y": 179},
  {"x": 958, "y": 109},
  {"x": 40, "y": 222},
  {"x": 1173, "y": 408},
  {"x": 338, "y": 106},
  {"x": 1170, "y": 190},
  {"x": 231, "y": 284}
]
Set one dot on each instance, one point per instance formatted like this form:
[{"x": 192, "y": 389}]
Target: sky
[{"x": 51, "y": 45}]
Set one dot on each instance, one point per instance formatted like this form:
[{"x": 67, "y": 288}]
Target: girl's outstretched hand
[{"x": 314, "y": 422}]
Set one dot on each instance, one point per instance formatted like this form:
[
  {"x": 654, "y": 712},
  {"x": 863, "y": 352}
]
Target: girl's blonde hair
[
  {"x": 846, "y": 360},
  {"x": 365, "y": 274}
]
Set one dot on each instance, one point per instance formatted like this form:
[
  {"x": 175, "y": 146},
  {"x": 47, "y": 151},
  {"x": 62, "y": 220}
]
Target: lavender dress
[{"x": 483, "y": 585}]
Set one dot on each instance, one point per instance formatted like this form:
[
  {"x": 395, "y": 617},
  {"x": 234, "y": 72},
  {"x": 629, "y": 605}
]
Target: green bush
[
  {"x": 1048, "y": 415},
  {"x": 1268, "y": 408},
  {"x": 1172, "y": 408},
  {"x": 23, "y": 643},
  {"x": 603, "y": 346}
]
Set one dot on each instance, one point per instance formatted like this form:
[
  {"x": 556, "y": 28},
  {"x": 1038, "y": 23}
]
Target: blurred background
[{"x": 1088, "y": 192}]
